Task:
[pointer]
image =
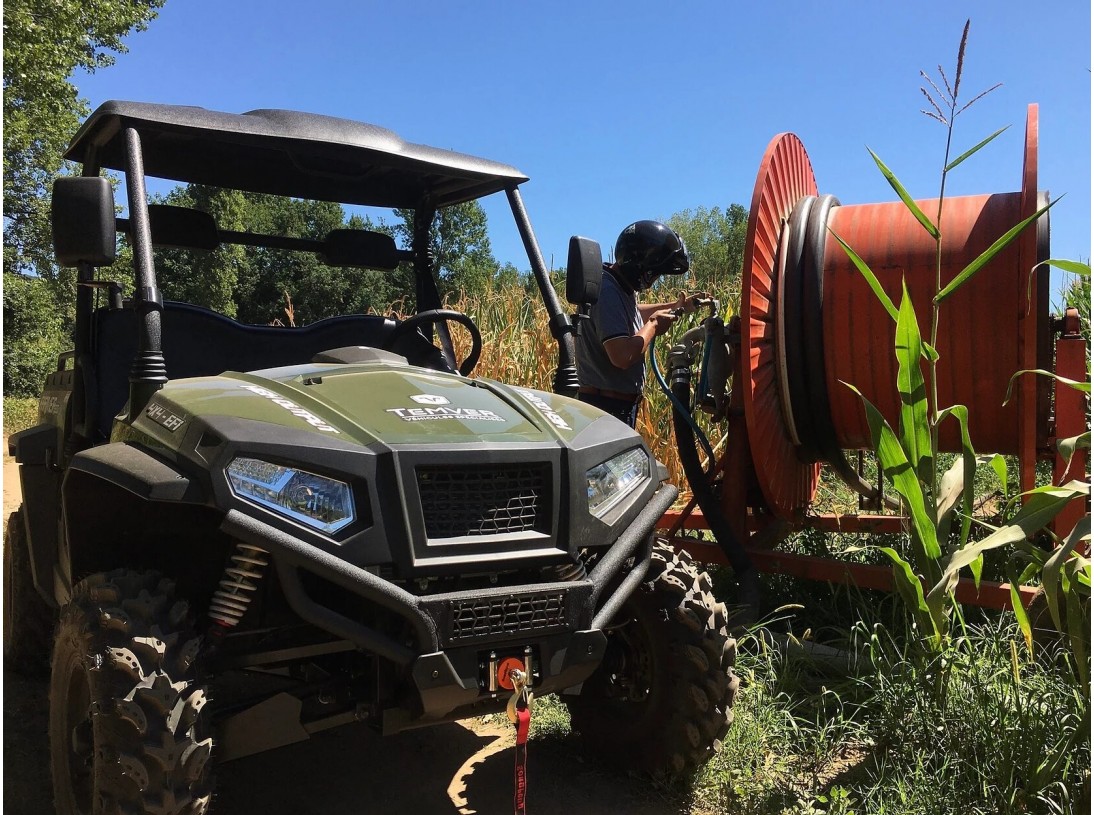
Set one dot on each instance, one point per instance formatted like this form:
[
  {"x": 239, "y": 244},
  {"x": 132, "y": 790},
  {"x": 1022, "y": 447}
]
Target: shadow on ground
[{"x": 447, "y": 770}]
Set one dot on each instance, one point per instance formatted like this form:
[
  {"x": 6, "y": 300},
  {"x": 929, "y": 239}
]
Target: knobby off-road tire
[
  {"x": 663, "y": 698},
  {"x": 28, "y": 619},
  {"x": 127, "y": 732}
]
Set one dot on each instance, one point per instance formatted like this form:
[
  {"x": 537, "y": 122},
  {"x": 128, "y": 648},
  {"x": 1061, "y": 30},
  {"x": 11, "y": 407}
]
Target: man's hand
[
  {"x": 662, "y": 320},
  {"x": 690, "y": 303}
]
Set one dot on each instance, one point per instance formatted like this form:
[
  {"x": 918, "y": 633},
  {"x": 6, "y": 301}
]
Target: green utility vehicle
[{"x": 234, "y": 536}]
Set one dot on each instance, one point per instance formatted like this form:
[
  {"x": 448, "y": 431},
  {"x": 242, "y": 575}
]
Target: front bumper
[{"x": 451, "y": 631}]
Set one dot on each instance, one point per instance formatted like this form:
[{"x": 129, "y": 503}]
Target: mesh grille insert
[
  {"x": 502, "y": 616},
  {"x": 488, "y": 500}
]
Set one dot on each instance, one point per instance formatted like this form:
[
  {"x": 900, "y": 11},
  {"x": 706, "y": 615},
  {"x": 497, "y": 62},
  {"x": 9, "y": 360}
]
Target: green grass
[
  {"x": 20, "y": 412},
  {"x": 981, "y": 728}
]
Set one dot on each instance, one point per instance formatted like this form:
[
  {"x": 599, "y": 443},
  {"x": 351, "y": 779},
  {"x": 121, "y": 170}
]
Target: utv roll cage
[{"x": 278, "y": 152}]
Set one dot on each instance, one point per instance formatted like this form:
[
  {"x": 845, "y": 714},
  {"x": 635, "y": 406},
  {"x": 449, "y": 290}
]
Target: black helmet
[{"x": 648, "y": 249}]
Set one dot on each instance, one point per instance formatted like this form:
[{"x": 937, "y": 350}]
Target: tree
[
  {"x": 460, "y": 245},
  {"x": 257, "y": 284},
  {"x": 44, "y": 44},
  {"x": 716, "y": 242}
]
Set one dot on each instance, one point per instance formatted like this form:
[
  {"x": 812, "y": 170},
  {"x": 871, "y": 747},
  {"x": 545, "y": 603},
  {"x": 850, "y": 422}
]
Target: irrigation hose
[
  {"x": 805, "y": 344},
  {"x": 686, "y": 432}
]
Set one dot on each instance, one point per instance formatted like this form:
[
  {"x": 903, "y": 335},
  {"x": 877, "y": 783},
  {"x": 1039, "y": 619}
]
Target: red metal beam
[
  {"x": 878, "y": 524},
  {"x": 865, "y": 576}
]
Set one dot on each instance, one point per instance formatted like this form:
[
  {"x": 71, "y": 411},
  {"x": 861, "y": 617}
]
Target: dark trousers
[{"x": 622, "y": 409}]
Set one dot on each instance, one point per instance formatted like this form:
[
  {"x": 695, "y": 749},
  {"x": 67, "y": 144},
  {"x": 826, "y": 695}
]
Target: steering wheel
[{"x": 433, "y": 317}]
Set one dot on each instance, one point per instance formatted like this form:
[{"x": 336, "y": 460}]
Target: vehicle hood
[{"x": 378, "y": 402}]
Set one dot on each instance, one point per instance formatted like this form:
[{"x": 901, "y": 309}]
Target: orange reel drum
[{"x": 810, "y": 322}]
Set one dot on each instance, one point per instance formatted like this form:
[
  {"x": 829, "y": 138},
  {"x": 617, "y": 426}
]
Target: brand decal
[
  {"x": 50, "y": 406},
  {"x": 545, "y": 409},
  {"x": 293, "y": 408},
  {"x": 429, "y": 399},
  {"x": 163, "y": 417},
  {"x": 429, "y": 414}
]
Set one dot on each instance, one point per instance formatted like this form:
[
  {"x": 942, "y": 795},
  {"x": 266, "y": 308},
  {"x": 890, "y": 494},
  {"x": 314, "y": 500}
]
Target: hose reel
[{"x": 810, "y": 322}]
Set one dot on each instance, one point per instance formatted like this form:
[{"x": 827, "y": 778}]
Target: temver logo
[
  {"x": 434, "y": 413},
  {"x": 429, "y": 399},
  {"x": 293, "y": 408}
]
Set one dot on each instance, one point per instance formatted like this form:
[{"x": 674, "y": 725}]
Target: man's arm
[{"x": 626, "y": 351}]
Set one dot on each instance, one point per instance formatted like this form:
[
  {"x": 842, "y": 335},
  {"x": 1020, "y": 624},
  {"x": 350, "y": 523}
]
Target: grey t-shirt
[{"x": 615, "y": 314}]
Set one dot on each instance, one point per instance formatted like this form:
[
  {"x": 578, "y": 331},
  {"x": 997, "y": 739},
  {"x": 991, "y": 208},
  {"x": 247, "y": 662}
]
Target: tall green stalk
[{"x": 909, "y": 456}]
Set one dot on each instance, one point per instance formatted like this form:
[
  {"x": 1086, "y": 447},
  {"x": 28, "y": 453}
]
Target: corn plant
[{"x": 940, "y": 506}]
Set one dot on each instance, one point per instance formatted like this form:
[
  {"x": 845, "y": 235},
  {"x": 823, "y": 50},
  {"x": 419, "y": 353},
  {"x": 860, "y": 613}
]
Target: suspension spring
[
  {"x": 238, "y": 585},
  {"x": 571, "y": 571}
]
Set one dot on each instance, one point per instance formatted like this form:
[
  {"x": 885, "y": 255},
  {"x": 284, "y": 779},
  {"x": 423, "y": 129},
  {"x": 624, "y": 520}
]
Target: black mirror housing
[
  {"x": 82, "y": 219},
  {"x": 584, "y": 268}
]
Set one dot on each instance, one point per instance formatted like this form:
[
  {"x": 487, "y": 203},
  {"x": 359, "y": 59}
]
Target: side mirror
[
  {"x": 584, "y": 268},
  {"x": 82, "y": 218}
]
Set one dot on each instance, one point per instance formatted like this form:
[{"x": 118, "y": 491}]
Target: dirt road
[{"x": 455, "y": 769}]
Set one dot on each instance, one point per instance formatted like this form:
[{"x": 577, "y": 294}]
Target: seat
[{"x": 200, "y": 342}]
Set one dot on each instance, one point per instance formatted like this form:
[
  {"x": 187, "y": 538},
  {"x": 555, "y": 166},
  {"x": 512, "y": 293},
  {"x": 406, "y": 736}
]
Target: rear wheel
[
  {"x": 662, "y": 699},
  {"x": 28, "y": 619},
  {"x": 127, "y": 731}
]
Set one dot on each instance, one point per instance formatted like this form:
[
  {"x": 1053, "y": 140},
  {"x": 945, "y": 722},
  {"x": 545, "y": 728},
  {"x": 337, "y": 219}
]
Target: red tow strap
[{"x": 520, "y": 768}]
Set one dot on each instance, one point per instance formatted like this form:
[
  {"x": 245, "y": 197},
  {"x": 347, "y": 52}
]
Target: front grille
[
  {"x": 488, "y": 500},
  {"x": 503, "y": 616}
]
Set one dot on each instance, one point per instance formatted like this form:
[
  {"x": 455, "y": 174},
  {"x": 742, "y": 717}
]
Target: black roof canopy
[{"x": 284, "y": 152}]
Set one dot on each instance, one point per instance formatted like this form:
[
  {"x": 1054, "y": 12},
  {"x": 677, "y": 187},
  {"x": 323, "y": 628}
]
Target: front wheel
[
  {"x": 126, "y": 723},
  {"x": 663, "y": 697}
]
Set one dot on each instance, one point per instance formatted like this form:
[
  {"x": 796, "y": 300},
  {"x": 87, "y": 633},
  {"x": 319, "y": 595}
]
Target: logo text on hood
[
  {"x": 426, "y": 414},
  {"x": 545, "y": 409},
  {"x": 293, "y": 408}
]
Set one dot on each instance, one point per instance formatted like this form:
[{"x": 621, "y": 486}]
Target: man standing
[{"x": 611, "y": 348}]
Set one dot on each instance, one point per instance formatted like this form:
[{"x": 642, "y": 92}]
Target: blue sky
[{"x": 620, "y": 111}]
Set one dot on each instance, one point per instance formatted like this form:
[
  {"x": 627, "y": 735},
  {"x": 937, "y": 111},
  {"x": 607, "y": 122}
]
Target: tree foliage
[
  {"x": 716, "y": 244},
  {"x": 262, "y": 285},
  {"x": 44, "y": 44},
  {"x": 460, "y": 245}
]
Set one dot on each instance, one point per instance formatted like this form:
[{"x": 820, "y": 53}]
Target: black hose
[
  {"x": 735, "y": 552},
  {"x": 805, "y": 363}
]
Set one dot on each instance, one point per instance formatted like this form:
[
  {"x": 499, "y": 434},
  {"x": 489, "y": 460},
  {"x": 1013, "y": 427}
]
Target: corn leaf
[
  {"x": 897, "y": 468},
  {"x": 972, "y": 150},
  {"x": 868, "y": 274},
  {"x": 968, "y": 474},
  {"x": 1078, "y": 630},
  {"x": 1053, "y": 578},
  {"x": 1021, "y": 616},
  {"x": 1084, "y": 387},
  {"x": 944, "y": 588},
  {"x": 999, "y": 466},
  {"x": 986, "y": 256},
  {"x": 1067, "y": 447},
  {"x": 915, "y": 431},
  {"x": 903, "y": 193},
  {"x": 1041, "y": 508},
  {"x": 1072, "y": 266},
  {"x": 910, "y": 589},
  {"x": 949, "y": 491}
]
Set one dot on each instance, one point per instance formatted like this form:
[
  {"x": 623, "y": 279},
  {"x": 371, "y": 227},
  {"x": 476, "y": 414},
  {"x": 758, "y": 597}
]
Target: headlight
[
  {"x": 322, "y": 503},
  {"x": 616, "y": 478}
]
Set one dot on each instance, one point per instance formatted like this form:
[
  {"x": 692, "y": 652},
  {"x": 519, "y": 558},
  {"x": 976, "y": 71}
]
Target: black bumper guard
[{"x": 580, "y": 597}]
